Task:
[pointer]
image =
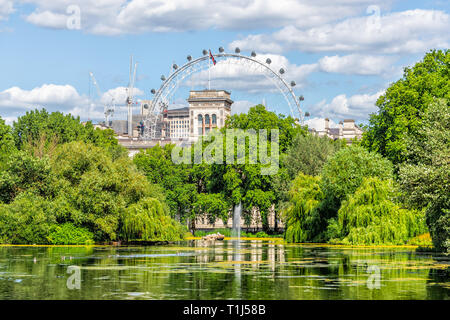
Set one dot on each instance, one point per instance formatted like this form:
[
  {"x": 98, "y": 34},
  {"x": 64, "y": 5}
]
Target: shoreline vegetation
[{"x": 65, "y": 183}]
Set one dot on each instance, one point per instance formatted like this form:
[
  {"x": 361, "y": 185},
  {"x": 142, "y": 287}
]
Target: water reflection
[{"x": 234, "y": 269}]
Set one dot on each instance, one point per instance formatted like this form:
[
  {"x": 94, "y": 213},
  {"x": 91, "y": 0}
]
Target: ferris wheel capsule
[
  {"x": 221, "y": 49},
  {"x": 253, "y": 54},
  {"x": 189, "y": 57},
  {"x": 268, "y": 61}
]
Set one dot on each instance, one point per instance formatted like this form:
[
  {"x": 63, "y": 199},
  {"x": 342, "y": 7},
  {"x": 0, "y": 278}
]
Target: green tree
[
  {"x": 40, "y": 131},
  {"x": 308, "y": 153},
  {"x": 372, "y": 216},
  {"x": 344, "y": 172},
  {"x": 402, "y": 106},
  {"x": 303, "y": 219},
  {"x": 24, "y": 172},
  {"x": 425, "y": 177},
  {"x": 7, "y": 146},
  {"x": 258, "y": 117},
  {"x": 27, "y": 220},
  {"x": 146, "y": 220}
]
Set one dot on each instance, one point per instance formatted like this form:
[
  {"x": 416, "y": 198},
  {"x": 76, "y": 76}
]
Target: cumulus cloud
[
  {"x": 241, "y": 106},
  {"x": 6, "y": 8},
  {"x": 408, "y": 31},
  {"x": 15, "y": 101},
  {"x": 112, "y": 17},
  {"x": 356, "y": 107},
  {"x": 119, "y": 95},
  {"x": 240, "y": 75},
  {"x": 64, "y": 96},
  {"x": 357, "y": 64}
]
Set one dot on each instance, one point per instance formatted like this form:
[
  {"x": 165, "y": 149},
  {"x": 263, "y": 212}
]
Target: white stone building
[
  {"x": 346, "y": 129},
  {"x": 208, "y": 109}
]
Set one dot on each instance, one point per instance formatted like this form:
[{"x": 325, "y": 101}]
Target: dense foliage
[
  {"x": 425, "y": 177},
  {"x": 344, "y": 172},
  {"x": 303, "y": 215},
  {"x": 147, "y": 220},
  {"x": 212, "y": 190},
  {"x": 75, "y": 186},
  {"x": 403, "y": 103},
  {"x": 372, "y": 216},
  {"x": 40, "y": 131},
  {"x": 64, "y": 182},
  {"x": 308, "y": 154}
]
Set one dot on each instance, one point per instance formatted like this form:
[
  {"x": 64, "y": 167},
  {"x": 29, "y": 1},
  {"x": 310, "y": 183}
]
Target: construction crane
[
  {"x": 130, "y": 96},
  {"x": 109, "y": 107}
]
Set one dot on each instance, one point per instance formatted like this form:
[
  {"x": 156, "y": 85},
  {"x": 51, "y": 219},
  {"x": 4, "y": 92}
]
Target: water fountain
[
  {"x": 236, "y": 233},
  {"x": 236, "y": 230}
]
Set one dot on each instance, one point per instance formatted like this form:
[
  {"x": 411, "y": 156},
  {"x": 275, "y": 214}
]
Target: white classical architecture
[
  {"x": 208, "y": 109},
  {"x": 346, "y": 129}
]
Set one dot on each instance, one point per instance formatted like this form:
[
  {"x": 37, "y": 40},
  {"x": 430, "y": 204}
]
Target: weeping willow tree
[
  {"x": 147, "y": 220},
  {"x": 302, "y": 216},
  {"x": 371, "y": 216}
]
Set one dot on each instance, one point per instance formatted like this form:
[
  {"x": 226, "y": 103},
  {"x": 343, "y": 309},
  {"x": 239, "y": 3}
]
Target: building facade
[
  {"x": 208, "y": 109},
  {"x": 346, "y": 129}
]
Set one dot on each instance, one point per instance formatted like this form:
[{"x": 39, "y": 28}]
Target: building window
[
  {"x": 200, "y": 120},
  {"x": 214, "y": 120},
  {"x": 207, "y": 120}
]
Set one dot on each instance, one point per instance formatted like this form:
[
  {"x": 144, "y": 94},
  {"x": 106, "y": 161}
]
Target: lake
[{"x": 230, "y": 269}]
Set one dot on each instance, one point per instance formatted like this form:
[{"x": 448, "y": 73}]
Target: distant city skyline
[{"x": 341, "y": 54}]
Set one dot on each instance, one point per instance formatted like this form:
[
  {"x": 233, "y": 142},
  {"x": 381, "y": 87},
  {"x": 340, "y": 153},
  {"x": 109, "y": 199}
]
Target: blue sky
[{"x": 342, "y": 54}]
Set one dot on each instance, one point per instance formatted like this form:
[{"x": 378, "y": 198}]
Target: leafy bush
[
  {"x": 27, "y": 220},
  {"x": 370, "y": 216},
  {"x": 67, "y": 233}
]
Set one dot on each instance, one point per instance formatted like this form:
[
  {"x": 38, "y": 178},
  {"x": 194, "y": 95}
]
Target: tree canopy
[
  {"x": 425, "y": 177},
  {"x": 404, "y": 102}
]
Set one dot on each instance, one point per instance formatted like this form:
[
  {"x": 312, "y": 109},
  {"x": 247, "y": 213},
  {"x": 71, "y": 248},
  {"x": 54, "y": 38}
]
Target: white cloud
[
  {"x": 248, "y": 77},
  {"x": 409, "y": 31},
  {"x": 356, "y": 107},
  {"x": 112, "y": 17},
  {"x": 64, "y": 96},
  {"x": 119, "y": 95},
  {"x": 241, "y": 106},
  {"x": 357, "y": 64},
  {"x": 6, "y": 8},
  {"x": 48, "y": 19},
  {"x": 15, "y": 101},
  {"x": 9, "y": 120}
]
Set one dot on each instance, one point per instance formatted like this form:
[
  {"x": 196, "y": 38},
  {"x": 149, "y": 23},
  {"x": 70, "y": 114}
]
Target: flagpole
[{"x": 209, "y": 72}]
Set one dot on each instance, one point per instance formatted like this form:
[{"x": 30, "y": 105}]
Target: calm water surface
[{"x": 222, "y": 270}]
